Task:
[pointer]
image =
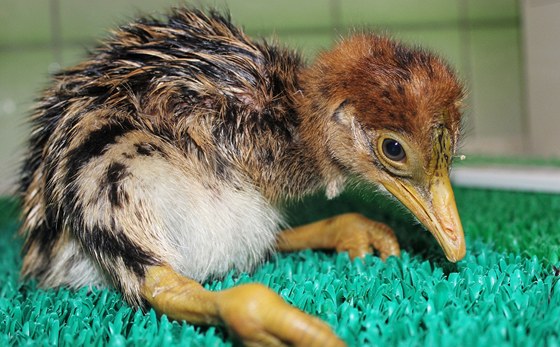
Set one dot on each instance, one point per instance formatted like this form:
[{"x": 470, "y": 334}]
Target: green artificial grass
[{"x": 504, "y": 293}]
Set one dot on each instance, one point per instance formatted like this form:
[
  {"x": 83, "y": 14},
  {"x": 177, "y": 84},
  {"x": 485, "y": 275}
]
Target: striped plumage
[{"x": 168, "y": 85}]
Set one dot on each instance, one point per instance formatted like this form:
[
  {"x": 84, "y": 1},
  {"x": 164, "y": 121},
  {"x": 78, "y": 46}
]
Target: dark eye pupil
[{"x": 393, "y": 150}]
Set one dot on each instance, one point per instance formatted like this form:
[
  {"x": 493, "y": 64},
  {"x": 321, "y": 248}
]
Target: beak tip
[{"x": 456, "y": 255}]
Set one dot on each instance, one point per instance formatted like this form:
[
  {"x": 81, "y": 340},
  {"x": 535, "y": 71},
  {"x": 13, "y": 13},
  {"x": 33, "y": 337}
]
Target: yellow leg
[
  {"x": 352, "y": 233},
  {"x": 253, "y": 313}
]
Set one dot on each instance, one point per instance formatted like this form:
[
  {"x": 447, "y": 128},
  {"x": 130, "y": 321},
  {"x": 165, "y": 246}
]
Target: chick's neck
[{"x": 314, "y": 112}]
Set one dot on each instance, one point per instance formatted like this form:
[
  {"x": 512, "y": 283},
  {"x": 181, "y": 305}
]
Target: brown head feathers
[{"x": 386, "y": 84}]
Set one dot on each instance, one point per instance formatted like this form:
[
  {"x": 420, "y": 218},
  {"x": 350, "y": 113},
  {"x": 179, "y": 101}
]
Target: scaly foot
[
  {"x": 351, "y": 232},
  {"x": 259, "y": 317},
  {"x": 253, "y": 313}
]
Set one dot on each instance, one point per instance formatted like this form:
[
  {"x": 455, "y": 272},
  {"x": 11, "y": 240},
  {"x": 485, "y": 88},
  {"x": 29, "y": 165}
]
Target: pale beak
[{"x": 436, "y": 210}]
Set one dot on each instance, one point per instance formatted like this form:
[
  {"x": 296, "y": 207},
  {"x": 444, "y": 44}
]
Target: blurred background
[{"x": 506, "y": 51}]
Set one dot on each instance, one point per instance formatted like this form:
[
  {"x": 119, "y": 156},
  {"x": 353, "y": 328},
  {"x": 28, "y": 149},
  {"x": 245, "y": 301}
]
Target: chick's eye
[{"x": 393, "y": 150}]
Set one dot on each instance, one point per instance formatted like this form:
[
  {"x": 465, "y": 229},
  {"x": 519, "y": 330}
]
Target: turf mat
[{"x": 504, "y": 293}]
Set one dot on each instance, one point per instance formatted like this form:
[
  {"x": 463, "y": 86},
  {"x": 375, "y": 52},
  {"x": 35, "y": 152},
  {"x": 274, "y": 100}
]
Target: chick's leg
[
  {"x": 350, "y": 232},
  {"x": 252, "y": 312}
]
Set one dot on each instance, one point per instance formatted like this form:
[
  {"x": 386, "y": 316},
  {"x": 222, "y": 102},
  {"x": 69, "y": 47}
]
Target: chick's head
[{"x": 393, "y": 118}]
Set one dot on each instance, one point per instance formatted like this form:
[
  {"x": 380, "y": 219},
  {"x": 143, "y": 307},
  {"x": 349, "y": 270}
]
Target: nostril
[{"x": 451, "y": 233}]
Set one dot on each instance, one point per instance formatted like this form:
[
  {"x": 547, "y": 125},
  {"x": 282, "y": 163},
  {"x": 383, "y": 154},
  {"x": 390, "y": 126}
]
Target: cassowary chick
[{"x": 160, "y": 162}]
